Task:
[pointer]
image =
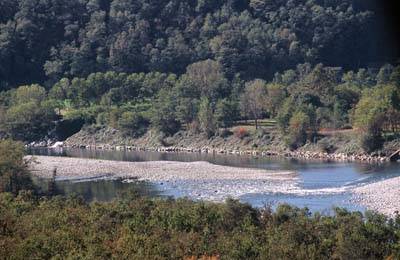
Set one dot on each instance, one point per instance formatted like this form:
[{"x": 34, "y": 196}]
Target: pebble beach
[
  {"x": 382, "y": 196},
  {"x": 78, "y": 168}
]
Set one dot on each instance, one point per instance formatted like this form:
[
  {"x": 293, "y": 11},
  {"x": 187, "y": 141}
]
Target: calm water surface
[{"x": 321, "y": 185}]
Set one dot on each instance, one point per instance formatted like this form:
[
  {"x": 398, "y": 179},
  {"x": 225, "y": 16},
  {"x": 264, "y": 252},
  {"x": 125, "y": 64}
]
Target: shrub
[
  {"x": 224, "y": 133},
  {"x": 298, "y": 125},
  {"x": 241, "y": 132},
  {"x": 194, "y": 127},
  {"x": 132, "y": 123},
  {"x": 137, "y": 227},
  {"x": 327, "y": 146},
  {"x": 14, "y": 175},
  {"x": 27, "y": 116},
  {"x": 371, "y": 142},
  {"x": 88, "y": 115}
]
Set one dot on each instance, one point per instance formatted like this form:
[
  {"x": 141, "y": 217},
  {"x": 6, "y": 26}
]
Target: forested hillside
[
  {"x": 199, "y": 65},
  {"x": 42, "y": 41}
]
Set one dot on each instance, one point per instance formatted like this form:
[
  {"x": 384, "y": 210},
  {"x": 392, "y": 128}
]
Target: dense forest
[
  {"x": 43, "y": 41},
  {"x": 37, "y": 224},
  {"x": 198, "y": 65}
]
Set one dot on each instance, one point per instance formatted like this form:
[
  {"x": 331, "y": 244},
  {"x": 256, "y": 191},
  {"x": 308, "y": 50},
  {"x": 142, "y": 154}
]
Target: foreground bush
[
  {"x": 14, "y": 175},
  {"x": 142, "y": 228}
]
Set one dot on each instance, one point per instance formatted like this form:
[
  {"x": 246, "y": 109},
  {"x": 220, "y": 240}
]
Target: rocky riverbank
[
  {"x": 257, "y": 144},
  {"x": 305, "y": 155}
]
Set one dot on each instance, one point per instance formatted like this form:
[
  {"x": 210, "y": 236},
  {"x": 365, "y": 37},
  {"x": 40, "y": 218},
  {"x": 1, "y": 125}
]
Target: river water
[{"x": 320, "y": 186}]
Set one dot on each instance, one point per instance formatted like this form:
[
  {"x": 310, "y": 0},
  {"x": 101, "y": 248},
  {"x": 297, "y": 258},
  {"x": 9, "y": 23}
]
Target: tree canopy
[{"x": 44, "y": 41}]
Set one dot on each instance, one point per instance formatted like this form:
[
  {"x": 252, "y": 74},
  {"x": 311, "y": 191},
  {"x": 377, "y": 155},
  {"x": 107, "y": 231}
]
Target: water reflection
[{"x": 103, "y": 190}]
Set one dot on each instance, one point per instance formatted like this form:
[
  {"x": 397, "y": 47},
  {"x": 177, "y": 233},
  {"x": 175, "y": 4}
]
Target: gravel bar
[
  {"x": 382, "y": 196},
  {"x": 155, "y": 171}
]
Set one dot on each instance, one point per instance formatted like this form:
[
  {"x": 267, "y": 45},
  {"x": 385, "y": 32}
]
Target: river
[{"x": 320, "y": 185}]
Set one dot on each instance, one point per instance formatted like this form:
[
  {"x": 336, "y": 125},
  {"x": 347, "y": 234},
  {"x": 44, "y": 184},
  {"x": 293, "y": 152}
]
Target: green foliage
[
  {"x": 375, "y": 106},
  {"x": 299, "y": 124},
  {"x": 285, "y": 113},
  {"x": 384, "y": 74},
  {"x": 395, "y": 77},
  {"x": 132, "y": 123},
  {"x": 253, "y": 100},
  {"x": 97, "y": 59},
  {"x": 45, "y": 41},
  {"x": 14, "y": 175},
  {"x": 276, "y": 95},
  {"x": 26, "y": 94},
  {"x": 138, "y": 227},
  {"x": 206, "y": 79},
  {"x": 187, "y": 109},
  {"x": 29, "y": 116},
  {"x": 377, "y": 110},
  {"x": 88, "y": 114},
  {"x": 142, "y": 228},
  {"x": 371, "y": 141},
  {"x": 206, "y": 117},
  {"x": 163, "y": 116},
  {"x": 226, "y": 112}
]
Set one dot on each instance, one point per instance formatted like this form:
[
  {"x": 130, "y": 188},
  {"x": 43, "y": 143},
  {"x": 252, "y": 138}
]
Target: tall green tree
[
  {"x": 377, "y": 110},
  {"x": 206, "y": 117},
  {"x": 164, "y": 116},
  {"x": 226, "y": 112},
  {"x": 253, "y": 100}
]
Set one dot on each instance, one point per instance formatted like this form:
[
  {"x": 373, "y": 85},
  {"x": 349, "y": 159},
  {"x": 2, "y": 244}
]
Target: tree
[
  {"x": 377, "y": 110},
  {"x": 207, "y": 79},
  {"x": 30, "y": 116},
  {"x": 25, "y": 94},
  {"x": 187, "y": 109},
  {"x": 253, "y": 100},
  {"x": 395, "y": 77},
  {"x": 163, "y": 115},
  {"x": 285, "y": 113},
  {"x": 44, "y": 41},
  {"x": 384, "y": 74},
  {"x": 299, "y": 124},
  {"x": 132, "y": 123},
  {"x": 276, "y": 94},
  {"x": 52, "y": 189},
  {"x": 226, "y": 112},
  {"x": 319, "y": 82},
  {"x": 206, "y": 118},
  {"x": 14, "y": 175}
]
